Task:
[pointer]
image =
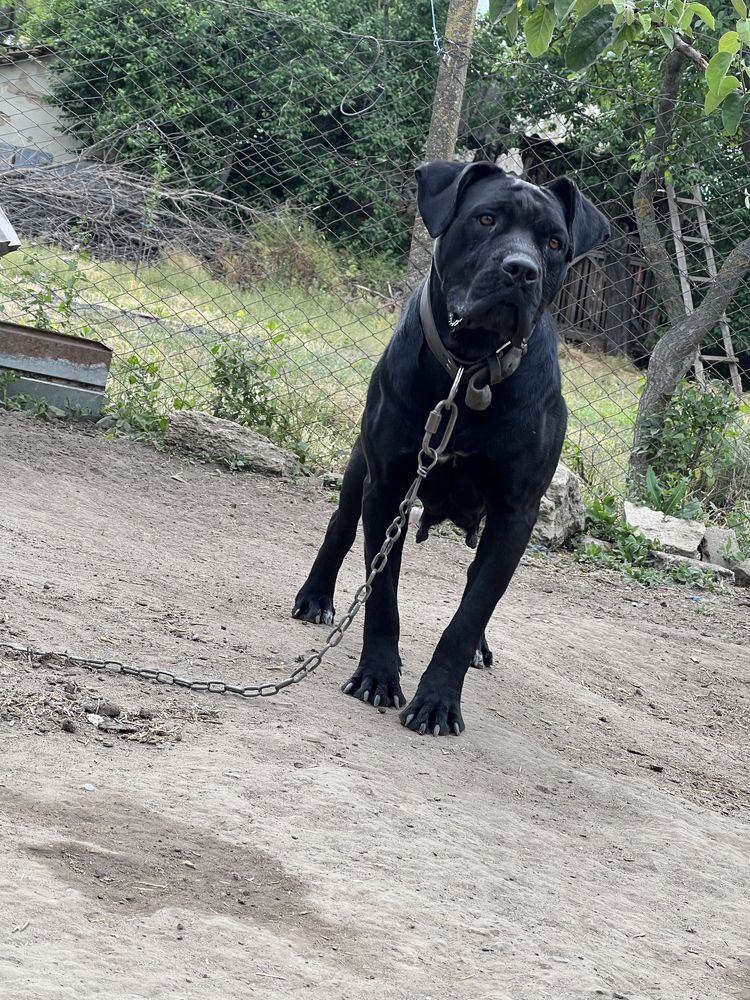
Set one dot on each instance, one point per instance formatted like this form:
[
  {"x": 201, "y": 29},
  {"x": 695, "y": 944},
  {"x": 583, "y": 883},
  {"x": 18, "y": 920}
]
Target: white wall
[{"x": 26, "y": 119}]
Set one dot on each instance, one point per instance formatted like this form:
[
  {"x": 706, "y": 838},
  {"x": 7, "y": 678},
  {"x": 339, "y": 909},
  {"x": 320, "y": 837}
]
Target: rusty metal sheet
[{"x": 54, "y": 356}]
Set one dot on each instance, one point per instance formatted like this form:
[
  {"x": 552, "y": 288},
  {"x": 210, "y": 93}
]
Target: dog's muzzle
[{"x": 480, "y": 375}]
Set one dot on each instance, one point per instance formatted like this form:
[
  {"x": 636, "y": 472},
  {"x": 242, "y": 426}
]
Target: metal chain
[{"x": 428, "y": 457}]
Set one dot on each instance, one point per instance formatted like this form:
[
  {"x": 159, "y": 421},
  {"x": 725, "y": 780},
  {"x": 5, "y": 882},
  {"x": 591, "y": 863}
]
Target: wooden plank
[
  {"x": 726, "y": 334},
  {"x": 682, "y": 270}
]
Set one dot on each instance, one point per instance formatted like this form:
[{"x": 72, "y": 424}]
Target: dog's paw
[
  {"x": 436, "y": 712},
  {"x": 315, "y": 608},
  {"x": 376, "y": 686}
]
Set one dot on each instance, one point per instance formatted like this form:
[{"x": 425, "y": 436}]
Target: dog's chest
[{"x": 452, "y": 458}]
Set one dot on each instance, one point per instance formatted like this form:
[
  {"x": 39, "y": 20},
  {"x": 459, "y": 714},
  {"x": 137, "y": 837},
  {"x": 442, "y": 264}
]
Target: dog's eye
[
  {"x": 554, "y": 244},
  {"x": 487, "y": 220}
]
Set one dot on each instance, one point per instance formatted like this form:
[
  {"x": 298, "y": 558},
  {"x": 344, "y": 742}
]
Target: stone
[
  {"x": 720, "y": 546},
  {"x": 561, "y": 512},
  {"x": 742, "y": 573},
  {"x": 214, "y": 437},
  {"x": 674, "y": 534},
  {"x": 586, "y": 541},
  {"x": 667, "y": 560}
]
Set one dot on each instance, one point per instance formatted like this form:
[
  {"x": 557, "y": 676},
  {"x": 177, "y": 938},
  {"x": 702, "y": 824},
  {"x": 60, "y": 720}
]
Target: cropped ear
[
  {"x": 440, "y": 184},
  {"x": 588, "y": 227}
]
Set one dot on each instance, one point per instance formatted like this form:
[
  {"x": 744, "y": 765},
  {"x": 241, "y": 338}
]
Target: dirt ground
[{"x": 587, "y": 836}]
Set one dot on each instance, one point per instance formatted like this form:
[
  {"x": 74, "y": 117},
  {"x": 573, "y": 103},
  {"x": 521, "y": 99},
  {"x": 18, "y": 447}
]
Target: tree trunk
[
  {"x": 652, "y": 241},
  {"x": 446, "y": 116},
  {"x": 674, "y": 352}
]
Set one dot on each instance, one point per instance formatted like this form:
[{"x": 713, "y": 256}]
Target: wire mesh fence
[{"x": 224, "y": 195}]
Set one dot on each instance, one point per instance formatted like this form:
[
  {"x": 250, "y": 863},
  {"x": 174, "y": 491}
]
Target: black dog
[{"x": 503, "y": 248}]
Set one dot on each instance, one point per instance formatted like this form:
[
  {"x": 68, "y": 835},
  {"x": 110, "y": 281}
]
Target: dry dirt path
[{"x": 586, "y": 837}]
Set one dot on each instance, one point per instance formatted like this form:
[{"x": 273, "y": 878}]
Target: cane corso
[{"x": 502, "y": 249}]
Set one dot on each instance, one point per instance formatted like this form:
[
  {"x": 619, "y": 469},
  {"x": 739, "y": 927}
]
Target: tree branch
[
  {"x": 691, "y": 54},
  {"x": 698, "y": 59}
]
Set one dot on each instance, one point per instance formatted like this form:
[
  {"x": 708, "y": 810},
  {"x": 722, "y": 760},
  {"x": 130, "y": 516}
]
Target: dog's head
[{"x": 503, "y": 246}]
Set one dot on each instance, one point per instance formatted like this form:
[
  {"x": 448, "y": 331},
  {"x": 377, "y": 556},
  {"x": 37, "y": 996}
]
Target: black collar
[{"x": 480, "y": 376}]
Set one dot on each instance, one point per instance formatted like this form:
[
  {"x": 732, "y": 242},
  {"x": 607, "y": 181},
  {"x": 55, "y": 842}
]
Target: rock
[
  {"x": 586, "y": 541},
  {"x": 674, "y": 534},
  {"x": 720, "y": 546},
  {"x": 561, "y": 512},
  {"x": 668, "y": 559},
  {"x": 109, "y": 709},
  {"x": 224, "y": 439},
  {"x": 742, "y": 573},
  {"x": 107, "y": 422}
]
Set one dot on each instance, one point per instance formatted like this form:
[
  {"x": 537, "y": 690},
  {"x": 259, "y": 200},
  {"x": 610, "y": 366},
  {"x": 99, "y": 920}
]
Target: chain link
[{"x": 429, "y": 456}]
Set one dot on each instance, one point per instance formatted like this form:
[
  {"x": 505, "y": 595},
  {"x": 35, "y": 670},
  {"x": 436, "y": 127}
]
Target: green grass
[
  {"x": 332, "y": 336},
  {"x": 602, "y": 394}
]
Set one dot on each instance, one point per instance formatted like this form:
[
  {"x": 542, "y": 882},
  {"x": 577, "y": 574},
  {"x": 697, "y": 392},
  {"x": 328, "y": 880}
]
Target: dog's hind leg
[
  {"x": 482, "y": 655},
  {"x": 314, "y": 602}
]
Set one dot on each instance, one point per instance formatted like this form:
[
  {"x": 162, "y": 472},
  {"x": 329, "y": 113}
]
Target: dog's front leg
[
  {"x": 436, "y": 706},
  {"x": 314, "y": 602},
  {"x": 377, "y": 678}
]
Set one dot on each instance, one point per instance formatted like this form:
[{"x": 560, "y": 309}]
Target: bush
[
  {"x": 241, "y": 377},
  {"x": 692, "y": 449},
  {"x": 256, "y": 106}
]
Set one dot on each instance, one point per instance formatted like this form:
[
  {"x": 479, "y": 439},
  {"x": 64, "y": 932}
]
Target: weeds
[
  {"x": 693, "y": 450},
  {"x": 670, "y": 495},
  {"x": 628, "y": 551},
  {"x": 139, "y": 405}
]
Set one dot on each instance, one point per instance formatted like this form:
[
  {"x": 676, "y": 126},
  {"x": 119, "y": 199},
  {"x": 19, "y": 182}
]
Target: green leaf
[
  {"x": 741, "y": 7},
  {"x": 700, "y": 10},
  {"x": 531, "y": 6},
  {"x": 501, "y": 8},
  {"x": 562, "y": 7},
  {"x": 538, "y": 28},
  {"x": 620, "y": 43},
  {"x": 727, "y": 86},
  {"x": 667, "y": 35},
  {"x": 729, "y": 42},
  {"x": 743, "y": 30},
  {"x": 511, "y": 24},
  {"x": 717, "y": 70},
  {"x": 731, "y": 112},
  {"x": 590, "y": 37},
  {"x": 645, "y": 20},
  {"x": 582, "y": 7}
]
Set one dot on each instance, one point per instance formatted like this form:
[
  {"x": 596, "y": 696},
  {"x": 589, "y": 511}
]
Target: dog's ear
[
  {"x": 440, "y": 184},
  {"x": 588, "y": 227}
]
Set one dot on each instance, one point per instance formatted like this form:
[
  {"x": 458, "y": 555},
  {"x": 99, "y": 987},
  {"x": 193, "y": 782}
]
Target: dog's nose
[{"x": 521, "y": 269}]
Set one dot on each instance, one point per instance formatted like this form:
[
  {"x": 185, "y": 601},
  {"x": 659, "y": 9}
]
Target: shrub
[{"x": 692, "y": 448}]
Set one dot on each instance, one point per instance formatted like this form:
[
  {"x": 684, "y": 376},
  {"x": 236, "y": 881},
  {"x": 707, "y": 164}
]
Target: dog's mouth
[{"x": 504, "y": 318}]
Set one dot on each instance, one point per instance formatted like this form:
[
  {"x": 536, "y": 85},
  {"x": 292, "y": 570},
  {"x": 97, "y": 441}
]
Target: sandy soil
[{"x": 586, "y": 837}]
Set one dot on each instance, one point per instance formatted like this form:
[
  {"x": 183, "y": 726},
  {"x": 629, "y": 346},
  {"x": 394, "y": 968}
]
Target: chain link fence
[{"x": 224, "y": 195}]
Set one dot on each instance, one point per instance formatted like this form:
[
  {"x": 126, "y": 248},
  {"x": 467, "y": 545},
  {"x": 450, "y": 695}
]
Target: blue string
[{"x": 435, "y": 35}]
